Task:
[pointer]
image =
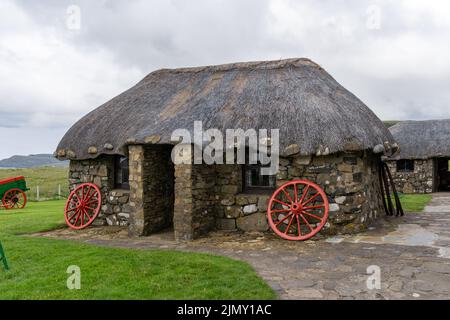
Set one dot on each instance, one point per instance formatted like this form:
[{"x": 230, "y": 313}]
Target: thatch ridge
[
  {"x": 297, "y": 96},
  {"x": 422, "y": 139},
  {"x": 273, "y": 64}
]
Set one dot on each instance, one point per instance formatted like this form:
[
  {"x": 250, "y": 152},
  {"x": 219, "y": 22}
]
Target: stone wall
[
  {"x": 115, "y": 209},
  {"x": 199, "y": 198},
  {"x": 349, "y": 179},
  {"x": 151, "y": 189},
  {"x": 419, "y": 181},
  {"x": 194, "y": 213},
  {"x": 234, "y": 209}
]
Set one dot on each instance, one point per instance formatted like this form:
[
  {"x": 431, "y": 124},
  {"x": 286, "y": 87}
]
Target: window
[
  {"x": 121, "y": 173},
  {"x": 405, "y": 165},
  {"x": 255, "y": 181}
]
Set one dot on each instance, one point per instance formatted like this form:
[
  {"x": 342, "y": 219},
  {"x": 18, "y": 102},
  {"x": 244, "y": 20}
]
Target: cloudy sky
[{"x": 60, "y": 59}]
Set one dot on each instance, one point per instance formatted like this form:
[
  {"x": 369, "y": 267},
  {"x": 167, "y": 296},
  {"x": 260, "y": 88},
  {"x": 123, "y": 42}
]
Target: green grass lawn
[
  {"x": 47, "y": 178},
  {"x": 38, "y": 266},
  {"x": 414, "y": 202}
]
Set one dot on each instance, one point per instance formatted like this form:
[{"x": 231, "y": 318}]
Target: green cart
[{"x": 12, "y": 193}]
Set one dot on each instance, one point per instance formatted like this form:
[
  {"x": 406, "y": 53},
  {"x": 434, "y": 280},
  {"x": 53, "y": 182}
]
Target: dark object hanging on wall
[{"x": 387, "y": 185}]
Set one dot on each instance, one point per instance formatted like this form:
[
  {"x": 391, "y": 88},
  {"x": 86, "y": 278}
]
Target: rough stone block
[
  {"x": 226, "y": 224},
  {"x": 253, "y": 222},
  {"x": 302, "y": 160},
  {"x": 249, "y": 209}
]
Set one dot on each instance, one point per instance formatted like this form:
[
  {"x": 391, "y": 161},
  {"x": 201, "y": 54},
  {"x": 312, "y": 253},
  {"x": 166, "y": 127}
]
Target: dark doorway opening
[
  {"x": 443, "y": 174},
  {"x": 159, "y": 189}
]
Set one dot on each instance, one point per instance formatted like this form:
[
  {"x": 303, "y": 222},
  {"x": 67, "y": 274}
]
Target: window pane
[
  {"x": 405, "y": 165},
  {"x": 121, "y": 172},
  {"x": 124, "y": 170},
  {"x": 254, "y": 178}
]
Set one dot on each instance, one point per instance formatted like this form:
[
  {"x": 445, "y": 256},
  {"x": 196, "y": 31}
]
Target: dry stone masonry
[
  {"x": 197, "y": 198},
  {"x": 418, "y": 181},
  {"x": 349, "y": 179},
  {"x": 115, "y": 208}
]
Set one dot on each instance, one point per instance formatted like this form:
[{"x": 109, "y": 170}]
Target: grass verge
[
  {"x": 47, "y": 178},
  {"x": 39, "y": 265},
  {"x": 414, "y": 202}
]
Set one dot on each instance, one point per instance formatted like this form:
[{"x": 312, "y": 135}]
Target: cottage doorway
[
  {"x": 153, "y": 188},
  {"x": 443, "y": 174}
]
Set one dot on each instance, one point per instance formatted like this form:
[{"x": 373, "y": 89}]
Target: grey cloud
[{"x": 400, "y": 71}]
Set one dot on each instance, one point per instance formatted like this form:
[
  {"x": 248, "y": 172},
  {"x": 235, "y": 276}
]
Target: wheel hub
[{"x": 296, "y": 208}]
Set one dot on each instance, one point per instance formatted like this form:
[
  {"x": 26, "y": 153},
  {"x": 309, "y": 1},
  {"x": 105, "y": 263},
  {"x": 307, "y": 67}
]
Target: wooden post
[
  {"x": 3, "y": 258},
  {"x": 37, "y": 193},
  {"x": 59, "y": 191}
]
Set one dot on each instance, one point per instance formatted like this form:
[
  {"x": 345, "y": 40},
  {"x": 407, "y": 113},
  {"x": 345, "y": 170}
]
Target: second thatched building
[{"x": 423, "y": 163}]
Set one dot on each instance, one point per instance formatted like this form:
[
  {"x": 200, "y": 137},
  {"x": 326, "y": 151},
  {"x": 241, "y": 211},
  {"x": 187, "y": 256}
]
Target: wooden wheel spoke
[
  {"x": 307, "y": 223},
  {"x": 78, "y": 197},
  {"x": 295, "y": 193},
  {"x": 288, "y": 196},
  {"x": 87, "y": 213},
  {"x": 85, "y": 194},
  {"x": 289, "y": 225},
  {"x": 82, "y": 216},
  {"x": 313, "y": 207},
  {"x": 311, "y": 199},
  {"x": 299, "y": 230},
  {"x": 279, "y": 211},
  {"x": 71, "y": 217},
  {"x": 89, "y": 195},
  {"x": 304, "y": 193},
  {"x": 70, "y": 210},
  {"x": 77, "y": 218},
  {"x": 91, "y": 202},
  {"x": 312, "y": 215},
  {"x": 281, "y": 202},
  {"x": 282, "y": 220}
]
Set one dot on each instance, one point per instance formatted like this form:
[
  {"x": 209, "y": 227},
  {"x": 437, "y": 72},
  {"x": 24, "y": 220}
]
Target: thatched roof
[
  {"x": 422, "y": 139},
  {"x": 297, "y": 96}
]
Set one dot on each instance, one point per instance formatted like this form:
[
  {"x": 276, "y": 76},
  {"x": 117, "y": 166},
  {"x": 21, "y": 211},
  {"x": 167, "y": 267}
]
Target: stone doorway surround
[{"x": 151, "y": 189}]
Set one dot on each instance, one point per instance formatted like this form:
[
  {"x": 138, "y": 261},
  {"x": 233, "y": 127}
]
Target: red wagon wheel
[
  {"x": 14, "y": 199},
  {"x": 298, "y": 210},
  {"x": 83, "y": 206}
]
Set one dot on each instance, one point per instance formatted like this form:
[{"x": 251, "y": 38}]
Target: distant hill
[
  {"x": 390, "y": 123},
  {"x": 32, "y": 161}
]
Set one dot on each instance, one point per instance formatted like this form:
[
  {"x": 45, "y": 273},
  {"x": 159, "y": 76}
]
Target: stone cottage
[
  {"x": 422, "y": 164},
  {"x": 327, "y": 135}
]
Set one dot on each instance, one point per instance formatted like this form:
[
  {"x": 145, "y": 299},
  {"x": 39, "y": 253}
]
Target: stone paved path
[{"x": 412, "y": 253}]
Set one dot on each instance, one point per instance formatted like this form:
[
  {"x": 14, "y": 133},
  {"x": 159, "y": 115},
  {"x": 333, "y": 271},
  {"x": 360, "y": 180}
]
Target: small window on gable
[
  {"x": 253, "y": 179},
  {"x": 405, "y": 165},
  {"x": 121, "y": 173}
]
